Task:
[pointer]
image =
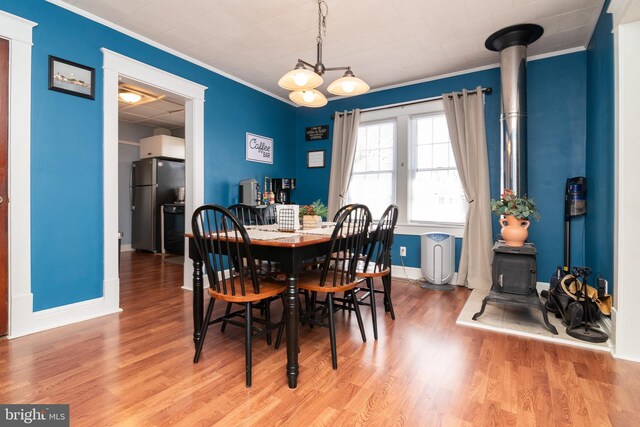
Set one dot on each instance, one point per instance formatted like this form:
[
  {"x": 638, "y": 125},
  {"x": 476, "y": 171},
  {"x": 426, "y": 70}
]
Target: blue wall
[
  {"x": 67, "y": 246},
  {"x": 600, "y": 149},
  {"x": 66, "y": 147},
  {"x": 556, "y": 127}
]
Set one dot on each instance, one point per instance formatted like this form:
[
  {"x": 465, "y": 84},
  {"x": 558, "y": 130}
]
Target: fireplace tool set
[{"x": 578, "y": 304}]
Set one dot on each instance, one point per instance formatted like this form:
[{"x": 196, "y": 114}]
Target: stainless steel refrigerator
[{"x": 154, "y": 182}]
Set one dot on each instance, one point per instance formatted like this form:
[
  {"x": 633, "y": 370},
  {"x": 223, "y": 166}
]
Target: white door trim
[
  {"x": 115, "y": 65},
  {"x": 18, "y": 31},
  {"x": 626, "y": 316}
]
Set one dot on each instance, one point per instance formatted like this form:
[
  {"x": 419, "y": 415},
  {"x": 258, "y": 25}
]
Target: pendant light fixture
[{"x": 305, "y": 77}]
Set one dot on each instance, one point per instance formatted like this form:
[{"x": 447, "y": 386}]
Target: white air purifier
[{"x": 438, "y": 257}]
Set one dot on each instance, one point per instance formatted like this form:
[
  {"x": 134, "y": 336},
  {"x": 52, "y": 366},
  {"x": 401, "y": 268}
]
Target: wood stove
[{"x": 514, "y": 279}]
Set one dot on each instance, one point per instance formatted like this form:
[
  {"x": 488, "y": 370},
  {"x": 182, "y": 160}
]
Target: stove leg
[
  {"x": 478, "y": 314},
  {"x": 552, "y": 328}
]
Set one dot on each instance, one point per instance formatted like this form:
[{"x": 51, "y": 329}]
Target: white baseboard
[
  {"x": 414, "y": 273},
  {"x": 409, "y": 273},
  {"x": 60, "y": 316},
  {"x": 126, "y": 248}
]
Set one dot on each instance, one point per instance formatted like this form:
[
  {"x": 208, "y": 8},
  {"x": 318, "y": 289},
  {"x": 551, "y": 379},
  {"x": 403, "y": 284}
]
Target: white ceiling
[
  {"x": 156, "y": 109},
  {"x": 386, "y": 42}
]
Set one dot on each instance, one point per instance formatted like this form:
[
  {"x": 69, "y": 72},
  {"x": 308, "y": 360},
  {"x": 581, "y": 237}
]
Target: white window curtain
[
  {"x": 345, "y": 137},
  {"x": 465, "y": 120}
]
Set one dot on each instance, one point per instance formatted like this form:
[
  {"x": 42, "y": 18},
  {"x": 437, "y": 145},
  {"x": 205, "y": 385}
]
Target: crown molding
[
  {"x": 467, "y": 71},
  {"x": 162, "y": 47},
  {"x": 624, "y": 11}
]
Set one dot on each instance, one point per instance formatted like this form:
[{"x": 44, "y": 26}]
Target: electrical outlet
[{"x": 403, "y": 251}]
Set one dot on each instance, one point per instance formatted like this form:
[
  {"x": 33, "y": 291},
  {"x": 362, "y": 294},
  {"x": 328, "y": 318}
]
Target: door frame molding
[
  {"x": 18, "y": 31},
  {"x": 115, "y": 65},
  {"x": 625, "y": 315}
]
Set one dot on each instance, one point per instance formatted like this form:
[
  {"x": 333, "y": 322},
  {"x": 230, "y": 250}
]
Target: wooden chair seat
[
  {"x": 310, "y": 281},
  {"x": 268, "y": 288},
  {"x": 366, "y": 274}
]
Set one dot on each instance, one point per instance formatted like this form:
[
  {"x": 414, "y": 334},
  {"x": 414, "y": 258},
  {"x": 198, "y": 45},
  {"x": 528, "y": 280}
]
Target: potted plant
[
  {"x": 515, "y": 214},
  {"x": 311, "y": 215}
]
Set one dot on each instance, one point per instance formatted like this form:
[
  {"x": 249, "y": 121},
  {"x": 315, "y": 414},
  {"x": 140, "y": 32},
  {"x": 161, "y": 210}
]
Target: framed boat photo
[{"x": 72, "y": 78}]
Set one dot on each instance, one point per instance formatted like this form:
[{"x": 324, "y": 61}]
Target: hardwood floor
[{"x": 135, "y": 369}]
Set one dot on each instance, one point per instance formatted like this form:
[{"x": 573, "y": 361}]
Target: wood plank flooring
[{"x": 135, "y": 369}]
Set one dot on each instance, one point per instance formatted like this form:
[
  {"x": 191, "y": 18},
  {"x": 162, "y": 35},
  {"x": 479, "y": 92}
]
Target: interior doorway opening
[{"x": 151, "y": 175}]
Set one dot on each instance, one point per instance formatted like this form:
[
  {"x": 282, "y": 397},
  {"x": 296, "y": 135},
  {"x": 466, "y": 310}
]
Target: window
[
  {"x": 435, "y": 191},
  {"x": 373, "y": 174},
  {"x": 404, "y": 156}
]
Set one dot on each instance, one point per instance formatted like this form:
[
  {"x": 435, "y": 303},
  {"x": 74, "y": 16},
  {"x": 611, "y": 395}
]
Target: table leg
[
  {"x": 291, "y": 322},
  {"x": 197, "y": 299}
]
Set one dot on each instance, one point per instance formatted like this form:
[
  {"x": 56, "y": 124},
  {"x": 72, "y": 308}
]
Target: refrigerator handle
[{"x": 131, "y": 189}]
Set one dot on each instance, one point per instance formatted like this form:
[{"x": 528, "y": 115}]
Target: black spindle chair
[
  {"x": 248, "y": 215},
  {"x": 377, "y": 263},
  {"x": 221, "y": 241},
  {"x": 340, "y": 211},
  {"x": 269, "y": 215},
  {"x": 337, "y": 273}
]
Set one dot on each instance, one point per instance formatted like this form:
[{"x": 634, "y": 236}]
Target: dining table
[{"x": 290, "y": 250}]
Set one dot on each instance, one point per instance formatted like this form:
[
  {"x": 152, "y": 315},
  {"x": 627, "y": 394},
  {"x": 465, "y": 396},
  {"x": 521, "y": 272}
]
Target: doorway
[
  {"x": 117, "y": 67},
  {"x": 151, "y": 130}
]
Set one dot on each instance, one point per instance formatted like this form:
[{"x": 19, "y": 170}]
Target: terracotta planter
[{"x": 514, "y": 230}]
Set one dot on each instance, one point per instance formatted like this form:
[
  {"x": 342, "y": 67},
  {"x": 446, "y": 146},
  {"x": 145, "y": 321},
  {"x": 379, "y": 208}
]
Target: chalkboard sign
[{"x": 315, "y": 133}]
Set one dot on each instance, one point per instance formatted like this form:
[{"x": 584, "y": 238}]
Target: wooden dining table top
[{"x": 294, "y": 241}]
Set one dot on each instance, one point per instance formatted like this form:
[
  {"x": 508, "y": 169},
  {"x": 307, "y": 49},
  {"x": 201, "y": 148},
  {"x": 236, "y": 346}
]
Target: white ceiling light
[
  {"x": 130, "y": 97},
  {"x": 302, "y": 80},
  {"x": 308, "y": 98},
  {"x": 348, "y": 85}
]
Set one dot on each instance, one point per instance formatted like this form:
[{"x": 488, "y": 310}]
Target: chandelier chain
[{"x": 322, "y": 19}]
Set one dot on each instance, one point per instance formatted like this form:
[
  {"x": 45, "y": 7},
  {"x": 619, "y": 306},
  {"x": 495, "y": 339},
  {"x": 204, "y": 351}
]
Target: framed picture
[
  {"x": 315, "y": 159},
  {"x": 259, "y": 148},
  {"x": 69, "y": 77}
]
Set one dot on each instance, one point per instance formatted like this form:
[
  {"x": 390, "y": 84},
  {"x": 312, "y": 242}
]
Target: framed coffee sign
[
  {"x": 259, "y": 148},
  {"x": 316, "y": 133}
]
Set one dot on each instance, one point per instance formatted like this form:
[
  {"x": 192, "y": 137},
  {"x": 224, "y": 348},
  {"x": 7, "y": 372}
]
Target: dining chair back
[
  {"x": 340, "y": 212},
  {"x": 269, "y": 215},
  {"x": 230, "y": 243},
  {"x": 348, "y": 238},
  {"x": 247, "y": 215},
  {"x": 378, "y": 252},
  {"x": 222, "y": 243}
]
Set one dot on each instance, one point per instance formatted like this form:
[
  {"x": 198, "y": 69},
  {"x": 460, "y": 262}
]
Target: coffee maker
[
  {"x": 249, "y": 192},
  {"x": 282, "y": 188}
]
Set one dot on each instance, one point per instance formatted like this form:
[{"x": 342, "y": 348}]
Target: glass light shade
[
  {"x": 349, "y": 85},
  {"x": 308, "y": 98},
  {"x": 130, "y": 97},
  {"x": 300, "y": 78}
]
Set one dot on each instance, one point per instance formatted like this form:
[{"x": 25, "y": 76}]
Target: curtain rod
[{"x": 485, "y": 90}]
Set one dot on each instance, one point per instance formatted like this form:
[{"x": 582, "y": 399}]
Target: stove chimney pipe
[{"x": 512, "y": 43}]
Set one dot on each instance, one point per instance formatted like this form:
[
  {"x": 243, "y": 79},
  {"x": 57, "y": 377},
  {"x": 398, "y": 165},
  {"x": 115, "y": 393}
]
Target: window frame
[{"x": 402, "y": 115}]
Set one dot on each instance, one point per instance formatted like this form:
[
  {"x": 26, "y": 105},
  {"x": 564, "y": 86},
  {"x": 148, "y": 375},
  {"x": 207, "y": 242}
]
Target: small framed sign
[
  {"x": 69, "y": 77},
  {"x": 259, "y": 148},
  {"x": 316, "y": 133},
  {"x": 315, "y": 159}
]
